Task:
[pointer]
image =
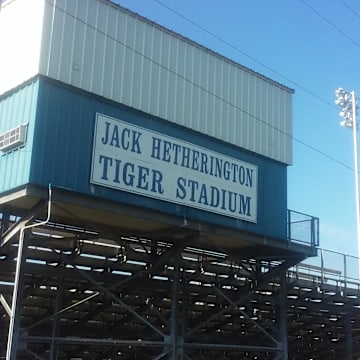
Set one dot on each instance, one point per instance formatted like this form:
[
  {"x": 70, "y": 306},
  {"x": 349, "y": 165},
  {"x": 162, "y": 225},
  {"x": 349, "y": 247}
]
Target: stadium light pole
[{"x": 347, "y": 101}]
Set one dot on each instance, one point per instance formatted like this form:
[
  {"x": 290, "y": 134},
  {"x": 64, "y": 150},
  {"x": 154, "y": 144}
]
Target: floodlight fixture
[
  {"x": 339, "y": 91},
  {"x": 345, "y": 123},
  {"x": 339, "y": 101}
]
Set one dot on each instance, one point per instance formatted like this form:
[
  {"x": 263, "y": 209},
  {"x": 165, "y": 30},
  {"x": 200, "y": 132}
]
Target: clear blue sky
[{"x": 312, "y": 46}]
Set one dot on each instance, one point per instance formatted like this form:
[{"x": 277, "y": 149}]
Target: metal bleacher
[{"x": 95, "y": 297}]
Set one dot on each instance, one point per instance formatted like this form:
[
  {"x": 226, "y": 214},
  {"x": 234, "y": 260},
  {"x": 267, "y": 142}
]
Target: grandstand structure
[
  {"x": 143, "y": 200},
  {"x": 93, "y": 293},
  {"x": 90, "y": 296}
]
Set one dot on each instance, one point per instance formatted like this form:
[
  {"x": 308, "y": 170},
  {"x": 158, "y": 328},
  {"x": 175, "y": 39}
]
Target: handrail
[
  {"x": 302, "y": 228},
  {"x": 329, "y": 268}
]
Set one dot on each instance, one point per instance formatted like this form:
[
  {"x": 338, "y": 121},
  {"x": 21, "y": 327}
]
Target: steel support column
[
  {"x": 13, "y": 334},
  {"x": 174, "y": 336},
  {"x": 282, "y": 320},
  {"x": 184, "y": 316},
  {"x": 56, "y": 323},
  {"x": 349, "y": 338}
]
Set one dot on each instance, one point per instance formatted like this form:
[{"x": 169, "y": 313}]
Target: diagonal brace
[
  {"x": 5, "y": 305},
  {"x": 15, "y": 228},
  {"x": 233, "y": 305},
  {"x": 247, "y": 291},
  {"x": 116, "y": 299}
]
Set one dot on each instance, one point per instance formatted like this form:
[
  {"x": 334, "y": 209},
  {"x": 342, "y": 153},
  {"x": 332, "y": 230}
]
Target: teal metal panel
[
  {"x": 63, "y": 137},
  {"x": 63, "y": 147},
  {"x": 17, "y": 108}
]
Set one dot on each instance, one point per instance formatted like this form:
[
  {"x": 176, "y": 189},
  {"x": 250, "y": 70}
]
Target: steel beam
[
  {"x": 230, "y": 347},
  {"x": 71, "y": 340}
]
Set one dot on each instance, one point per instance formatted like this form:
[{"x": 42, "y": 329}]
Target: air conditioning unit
[{"x": 13, "y": 138}]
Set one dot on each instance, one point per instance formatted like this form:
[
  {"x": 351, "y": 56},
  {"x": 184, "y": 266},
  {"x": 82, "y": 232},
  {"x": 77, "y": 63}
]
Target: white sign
[{"x": 144, "y": 162}]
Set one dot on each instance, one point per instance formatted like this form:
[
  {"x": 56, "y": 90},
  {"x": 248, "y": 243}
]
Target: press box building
[{"x": 146, "y": 140}]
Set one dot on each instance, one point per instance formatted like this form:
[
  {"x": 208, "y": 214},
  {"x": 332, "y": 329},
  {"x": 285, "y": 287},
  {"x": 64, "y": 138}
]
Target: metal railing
[
  {"x": 302, "y": 228},
  {"x": 329, "y": 269}
]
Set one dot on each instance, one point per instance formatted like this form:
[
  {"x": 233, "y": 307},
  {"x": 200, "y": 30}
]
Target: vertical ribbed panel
[
  {"x": 109, "y": 51},
  {"x": 17, "y": 109}
]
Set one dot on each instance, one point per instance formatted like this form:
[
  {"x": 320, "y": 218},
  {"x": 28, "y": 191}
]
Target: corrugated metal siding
[
  {"x": 63, "y": 145},
  {"x": 16, "y": 109},
  {"x": 108, "y": 51},
  {"x": 63, "y": 139}
]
